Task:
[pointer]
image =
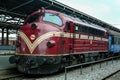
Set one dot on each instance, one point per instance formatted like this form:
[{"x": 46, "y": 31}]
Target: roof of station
[{"x": 13, "y": 12}]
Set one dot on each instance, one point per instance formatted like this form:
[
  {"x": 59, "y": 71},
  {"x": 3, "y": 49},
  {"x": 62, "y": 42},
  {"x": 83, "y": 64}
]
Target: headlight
[{"x": 51, "y": 43}]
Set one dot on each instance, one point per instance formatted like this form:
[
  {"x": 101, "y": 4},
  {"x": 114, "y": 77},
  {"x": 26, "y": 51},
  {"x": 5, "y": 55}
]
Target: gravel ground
[{"x": 87, "y": 74}]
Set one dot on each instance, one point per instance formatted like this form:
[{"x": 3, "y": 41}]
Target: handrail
[{"x": 87, "y": 63}]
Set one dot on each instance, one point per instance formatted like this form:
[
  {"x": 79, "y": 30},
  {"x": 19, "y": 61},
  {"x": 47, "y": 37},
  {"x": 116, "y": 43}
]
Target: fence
[{"x": 91, "y": 63}]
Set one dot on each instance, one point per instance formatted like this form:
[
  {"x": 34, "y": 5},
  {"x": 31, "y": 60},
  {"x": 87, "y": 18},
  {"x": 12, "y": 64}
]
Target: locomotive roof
[
  {"x": 73, "y": 19},
  {"x": 82, "y": 22}
]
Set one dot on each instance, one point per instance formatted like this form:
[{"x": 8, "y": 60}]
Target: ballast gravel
[{"x": 98, "y": 73}]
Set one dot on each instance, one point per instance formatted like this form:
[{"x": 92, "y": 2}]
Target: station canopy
[{"x": 13, "y": 12}]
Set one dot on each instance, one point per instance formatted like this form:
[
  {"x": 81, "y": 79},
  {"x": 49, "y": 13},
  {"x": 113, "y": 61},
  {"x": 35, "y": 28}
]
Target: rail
[
  {"x": 11, "y": 77},
  {"x": 110, "y": 75},
  {"x": 87, "y": 63},
  {"x": 9, "y": 73}
]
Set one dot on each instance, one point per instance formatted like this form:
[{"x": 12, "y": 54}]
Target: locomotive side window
[
  {"x": 33, "y": 18},
  {"x": 67, "y": 25},
  {"x": 76, "y": 28},
  {"x": 115, "y": 40},
  {"x": 49, "y": 17},
  {"x": 88, "y": 30},
  {"x": 112, "y": 40},
  {"x": 119, "y": 41},
  {"x": 84, "y": 30}
]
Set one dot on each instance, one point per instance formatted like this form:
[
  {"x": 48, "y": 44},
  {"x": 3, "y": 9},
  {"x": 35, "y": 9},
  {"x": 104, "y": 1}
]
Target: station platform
[
  {"x": 10, "y": 48},
  {"x": 4, "y": 59}
]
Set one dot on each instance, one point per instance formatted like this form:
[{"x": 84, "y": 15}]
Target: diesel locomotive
[{"x": 50, "y": 40}]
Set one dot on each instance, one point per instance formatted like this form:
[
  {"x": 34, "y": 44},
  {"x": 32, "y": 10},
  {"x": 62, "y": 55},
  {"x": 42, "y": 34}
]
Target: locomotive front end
[{"x": 37, "y": 46}]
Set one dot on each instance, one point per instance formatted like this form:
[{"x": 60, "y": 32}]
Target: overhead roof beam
[
  {"x": 28, "y": 2},
  {"x": 12, "y": 13}
]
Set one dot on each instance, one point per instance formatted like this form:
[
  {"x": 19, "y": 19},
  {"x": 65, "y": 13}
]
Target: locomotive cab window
[
  {"x": 52, "y": 18},
  {"x": 33, "y": 18}
]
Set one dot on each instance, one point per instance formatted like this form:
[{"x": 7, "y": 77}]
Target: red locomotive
[{"x": 49, "y": 40}]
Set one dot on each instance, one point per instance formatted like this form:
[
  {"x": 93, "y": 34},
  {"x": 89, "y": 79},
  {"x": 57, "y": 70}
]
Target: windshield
[
  {"x": 49, "y": 17},
  {"x": 33, "y": 18}
]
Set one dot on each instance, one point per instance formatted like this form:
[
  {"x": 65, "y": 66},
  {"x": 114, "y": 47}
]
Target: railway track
[
  {"x": 73, "y": 74},
  {"x": 11, "y": 76},
  {"x": 11, "y": 73},
  {"x": 94, "y": 72},
  {"x": 111, "y": 75}
]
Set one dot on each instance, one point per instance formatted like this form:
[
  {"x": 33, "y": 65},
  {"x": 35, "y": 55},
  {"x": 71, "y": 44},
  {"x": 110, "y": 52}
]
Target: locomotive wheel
[
  {"x": 101, "y": 55},
  {"x": 70, "y": 61},
  {"x": 64, "y": 62},
  {"x": 81, "y": 58}
]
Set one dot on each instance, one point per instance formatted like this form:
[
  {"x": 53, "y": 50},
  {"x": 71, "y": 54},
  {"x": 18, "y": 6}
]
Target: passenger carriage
[{"x": 114, "y": 42}]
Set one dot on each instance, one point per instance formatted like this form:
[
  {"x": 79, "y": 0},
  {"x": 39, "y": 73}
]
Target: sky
[{"x": 105, "y": 10}]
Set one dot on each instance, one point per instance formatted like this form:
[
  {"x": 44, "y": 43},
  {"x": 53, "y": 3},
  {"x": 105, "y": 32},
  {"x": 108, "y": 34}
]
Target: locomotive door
[
  {"x": 71, "y": 49},
  {"x": 70, "y": 42},
  {"x": 70, "y": 29}
]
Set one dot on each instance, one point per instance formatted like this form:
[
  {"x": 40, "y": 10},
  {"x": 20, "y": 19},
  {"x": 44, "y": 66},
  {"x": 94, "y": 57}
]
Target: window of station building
[{"x": 49, "y": 17}]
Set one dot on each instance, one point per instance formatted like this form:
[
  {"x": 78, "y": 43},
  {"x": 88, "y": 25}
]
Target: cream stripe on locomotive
[
  {"x": 83, "y": 36},
  {"x": 104, "y": 39},
  {"x": 97, "y": 38},
  {"x": 33, "y": 45}
]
